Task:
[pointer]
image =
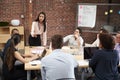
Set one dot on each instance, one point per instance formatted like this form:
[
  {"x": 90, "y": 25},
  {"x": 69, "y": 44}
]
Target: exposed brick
[{"x": 61, "y": 15}]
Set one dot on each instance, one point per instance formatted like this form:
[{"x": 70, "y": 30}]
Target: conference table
[{"x": 36, "y": 64}]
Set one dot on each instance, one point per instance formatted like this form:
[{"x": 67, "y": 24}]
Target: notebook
[{"x": 39, "y": 50}]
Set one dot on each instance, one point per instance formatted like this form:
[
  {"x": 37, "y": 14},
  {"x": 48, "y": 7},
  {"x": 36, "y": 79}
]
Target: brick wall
[{"x": 61, "y": 15}]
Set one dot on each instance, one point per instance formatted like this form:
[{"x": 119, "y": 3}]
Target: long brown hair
[
  {"x": 44, "y": 21},
  {"x": 9, "y": 57}
]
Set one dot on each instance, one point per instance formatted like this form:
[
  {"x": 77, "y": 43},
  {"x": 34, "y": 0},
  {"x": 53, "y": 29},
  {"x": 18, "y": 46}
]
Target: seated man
[
  {"x": 105, "y": 61},
  {"x": 14, "y": 31},
  {"x": 117, "y": 46},
  {"x": 74, "y": 39},
  {"x": 58, "y": 65}
]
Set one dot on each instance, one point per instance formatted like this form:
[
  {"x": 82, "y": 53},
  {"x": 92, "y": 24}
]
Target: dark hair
[
  {"x": 80, "y": 30},
  {"x": 104, "y": 30},
  {"x": 57, "y": 41},
  {"x": 15, "y": 29},
  {"x": 44, "y": 21},
  {"x": 9, "y": 57},
  {"x": 16, "y": 38},
  {"x": 107, "y": 41}
]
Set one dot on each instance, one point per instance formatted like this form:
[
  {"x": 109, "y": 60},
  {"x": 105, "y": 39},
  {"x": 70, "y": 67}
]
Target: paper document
[
  {"x": 35, "y": 62},
  {"x": 37, "y": 50},
  {"x": 83, "y": 62}
]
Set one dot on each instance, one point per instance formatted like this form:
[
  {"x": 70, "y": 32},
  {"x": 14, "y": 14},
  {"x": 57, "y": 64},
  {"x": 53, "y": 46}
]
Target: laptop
[{"x": 88, "y": 52}]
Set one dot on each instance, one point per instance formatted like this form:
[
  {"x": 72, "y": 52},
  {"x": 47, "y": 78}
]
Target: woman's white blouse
[{"x": 35, "y": 30}]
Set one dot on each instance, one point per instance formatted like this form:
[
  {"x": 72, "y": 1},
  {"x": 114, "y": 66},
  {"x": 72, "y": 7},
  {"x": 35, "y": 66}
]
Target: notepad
[
  {"x": 83, "y": 62},
  {"x": 37, "y": 50},
  {"x": 35, "y": 62}
]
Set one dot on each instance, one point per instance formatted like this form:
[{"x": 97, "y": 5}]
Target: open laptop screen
[{"x": 88, "y": 52}]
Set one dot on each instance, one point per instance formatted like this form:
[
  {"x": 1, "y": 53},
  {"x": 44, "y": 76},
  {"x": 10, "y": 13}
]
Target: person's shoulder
[
  {"x": 68, "y": 55},
  {"x": 81, "y": 37},
  {"x": 7, "y": 44},
  {"x": 8, "y": 41},
  {"x": 34, "y": 22},
  {"x": 70, "y": 35},
  {"x": 104, "y": 51},
  {"x": 115, "y": 51},
  {"x": 45, "y": 58},
  {"x": 98, "y": 52}
]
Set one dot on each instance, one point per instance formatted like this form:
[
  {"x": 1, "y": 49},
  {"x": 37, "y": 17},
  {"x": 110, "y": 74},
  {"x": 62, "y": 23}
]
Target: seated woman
[
  {"x": 96, "y": 42},
  {"x": 10, "y": 72},
  {"x": 105, "y": 61}
]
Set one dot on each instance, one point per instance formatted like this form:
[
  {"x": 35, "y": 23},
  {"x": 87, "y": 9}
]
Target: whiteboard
[{"x": 86, "y": 16}]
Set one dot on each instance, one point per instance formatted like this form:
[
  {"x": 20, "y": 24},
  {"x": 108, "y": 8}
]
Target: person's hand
[
  {"x": 34, "y": 57},
  {"x": 34, "y": 35},
  {"x": 76, "y": 36},
  {"x": 27, "y": 60},
  {"x": 27, "y": 55}
]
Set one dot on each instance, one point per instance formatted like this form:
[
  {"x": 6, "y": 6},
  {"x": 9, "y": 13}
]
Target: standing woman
[{"x": 38, "y": 34}]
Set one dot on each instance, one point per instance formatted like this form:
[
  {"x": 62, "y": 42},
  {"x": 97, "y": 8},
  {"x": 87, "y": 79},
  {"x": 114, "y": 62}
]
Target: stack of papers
[
  {"x": 37, "y": 50},
  {"x": 83, "y": 63}
]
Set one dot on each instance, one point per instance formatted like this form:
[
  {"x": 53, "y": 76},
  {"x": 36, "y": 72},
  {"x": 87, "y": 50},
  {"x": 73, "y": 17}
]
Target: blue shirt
[
  {"x": 5, "y": 48},
  {"x": 58, "y": 65},
  {"x": 104, "y": 64}
]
